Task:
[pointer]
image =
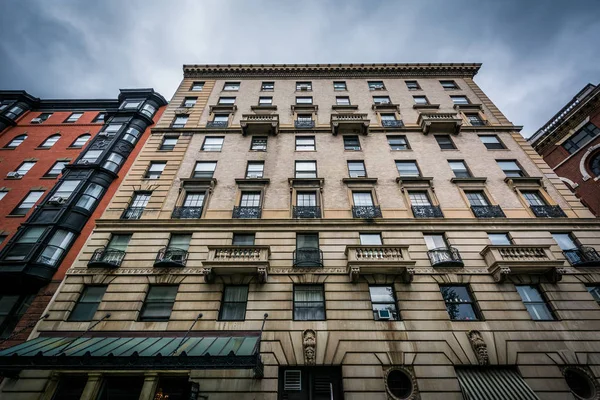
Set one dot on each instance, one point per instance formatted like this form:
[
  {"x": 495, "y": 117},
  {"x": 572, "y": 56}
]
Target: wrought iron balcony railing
[
  {"x": 132, "y": 213},
  {"x": 304, "y": 124},
  {"x": 427, "y": 212},
  {"x": 217, "y": 124},
  {"x": 546, "y": 211},
  {"x": 308, "y": 257},
  {"x": 367, "y": 212},
  {"x": 187, "y": 212},
  {"x": 488, "y": 212},
  {"x": 171, "y": 257},
  {"x": 445, "y": 257},
  {"x": 392, "y": 123},
  {"x": 306, "y": 212},
  {"x": 246, "y": 212},
  {"x": 583, "y": 257},
  {"x": 106, "y": 258}
]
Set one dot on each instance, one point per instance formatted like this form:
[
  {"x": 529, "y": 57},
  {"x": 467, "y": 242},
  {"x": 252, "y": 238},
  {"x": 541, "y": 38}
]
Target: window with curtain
[
  {"x": 28, "y": 202},
  {"x": 309, "y": 303},
  {"x": 351, "y": 143},
  {"x": 407, "y": 168},
  {"x": 535, "y": 303},
  {"x": 205, "y": 169},
  {"x": 56, "y": 247},
  {"x": 362, "y": 199},
  {"x": 419, "y": 199},
  {"x": 213, "y": 143},
  {"x": 51, "y": 141},
  {"x": 90, "y": 196},
  {"x": 356, "y": 169},
  {"x": 398, "y": 142},
  {"x": 255, "y": 169},
  {"x": 306, "y": 169},
  {"x": 305, "y": 143},
  {"x": 155, "y": 169},
  {"x": 306, "y": 199},
  {"x": 235, "y": 299},
  {"x": 477, "y": 198},
  {"x": 459, "y": 168},
  {"x": 435, "y": 241},
  {"x": 195, "y": 200},
  {"x": 159, "y": 303}
]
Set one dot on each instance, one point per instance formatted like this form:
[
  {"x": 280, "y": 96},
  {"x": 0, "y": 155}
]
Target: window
[
  {"x": 113, "y": 162},
  {"x": 205, "y": 169},
  {"x": 309, "y": 303},
  {"x": 159, "y": 303},
  {"x": 460, "y": 99},
  {"x": 565, "y": 241},
  {"x": 306, "y": 169},
  {"x": 213, "y": 143},
  {"x": 342, "y": 100},
  {"x": 449, "y": 85},
  {"x": 197, "y": 86},
  {"x": 119, "y": 242},
  {"x": 459, "y": 303},
  {"x": 362, "y": 199},
  {"x": 25, "y": 167},
  {"x": 81, "y": 141},
  {"x": 420, "y": 100},
  {"x": 376, "y": 85},
  {"x": 243, "y": 239},
  {"x": 339, "y": 85},
  {"x": 351, "y": 143},
  {"x": 66, "y": 189},
  {"x": 51, "y": 141},
  {"x": 99, "y": 118},
  {"x": 300, "y": 86},
  {"x": 121, "y": 388},
  {"x": 459, "y": 168},
  {"x": 255, "y": 169},
  {"x": 16, "y": 142},
  {"x": 445, "y": 142},
  {"x": 304, "y": 118},
  {"x": 398, "y": 142},
  {"x": 400, "y": 383},
  {"x": 24, "y": 244},
  {"x": 388, "y": 117},
  {"x": 226, "y": 100},
  {"x": 412, "y": 85},
  {"x": 595, "y": 292},
  {"x": 70, "y": 387},
  {"x": 581, "y": 137},
  {"x": 88, "y": 303},
  {"x": 2, "y": 194},
  {"x": 56, "y": 169},
  {"x": 306, "y": 199},
  {"x": 155, "y": 170},
  {"x": 383, "y": 303},
  {"x": 534, "y": 302},
  {"x": 90, "y": 196},
  {"x": 499, "y": 239},
  {"x": 28, "y": 202},
  {"x": 56, "y": 247},
  {"x": 435, "y": 241},
  {"x": 189, "y": 102},
  {"x": 579, "y": 382},
  {"x": 180, "y": 121},
  {"x": 90, "y": 157},
  {"x": 491, "y": 142},
  {"x": 370, "y": 239},
  {"x": 356, "y": 169},
  {"x": 407, "y": 168},
  {"x": 138, "y": 204},
  {"x": 259, "y": 143},
  {"x": 305, "y": 143},
  {"x": 477, "y": 198},
  {"x": 221, "y": 118},
  {"x": 73, "y": 118},
  {"x": 12, "y": 310},
  {"x": 381, "y": 100},
  {"x": 112, "y": 129},
  {"x": 231, "y": 86},
  {"x": 265, "y": 101},
  {"x": 250, "y": 199},
  {"x": 169, "y": 143},
  {"x": 267, "y": 86},
  {"x": 475, "y": 119},
  {"x": 315, "y": 383},
  {"x": 419, "y": 199},
  {"x": 131, "y": 104},
  {"x": 233, "y": 306},
  {"x": 511, "y": 168},
  {"x": 41, "y": 118},
  {"x": 179, "y": 242},
  {"x": 304, "y": 100},
  {"x": 194, "y": 200}
]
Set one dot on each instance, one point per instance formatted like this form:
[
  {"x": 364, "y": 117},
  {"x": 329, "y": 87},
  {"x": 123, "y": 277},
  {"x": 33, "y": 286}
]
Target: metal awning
[
  {"x": 493, "y": 384},
  {"x": 134, "y": 353}
]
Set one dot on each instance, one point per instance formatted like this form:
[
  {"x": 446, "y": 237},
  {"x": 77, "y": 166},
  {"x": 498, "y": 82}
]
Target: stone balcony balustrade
[
  {"x": 440, "y": 123},
  {"x": 260, "y": 124},
  {"x": 231, "y": 260},
  {"x": 379, "y": 259},
  {"x": 503, "y": 261}
]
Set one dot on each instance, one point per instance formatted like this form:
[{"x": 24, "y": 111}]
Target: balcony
[
  {"x": 132, "y": 213},
  {"x": 308, "y": 257},
  {"x": 548, "y": 211},
  {"x": 241, "y": 260},
  {"x": 246, "y": 212},
  {"x": 583, "y": 257},
  {"x": 392, "y": 123},
  {"x": 440, "y": 123},
  {"x": 171, "y": 257},
  {"x": 366, "y": 212},
  {"x": 521, "y": 260},
  {"x": 445, "y": 257},
  {"x": 306, "y": 212},
  {"x": 217, "y": 124},
  {"x": 488, "y": 212},
  {"x": 350, "y": 123},
  {"x": 427, "y": 212},
  {"x": 382, "y": 259},
  {"x": 106, "y": 258},
  {"x": 304, "y": 124},
  {"x": 186, "y": 213},
  {"x": 260, "y": 124}
]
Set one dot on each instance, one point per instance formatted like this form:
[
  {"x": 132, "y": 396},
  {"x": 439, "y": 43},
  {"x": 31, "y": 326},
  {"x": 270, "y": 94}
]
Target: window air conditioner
[
  {"x": 13, "y": 175},
  {"x": 57, "y": 200},
  {"x": 84, "y": 162},
  {"x": 36, "y": 121},
  {"x": 384, "y": 314}
]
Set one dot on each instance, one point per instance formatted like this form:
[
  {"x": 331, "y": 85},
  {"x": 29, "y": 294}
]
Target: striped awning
[{"x": 493, "y": 384}]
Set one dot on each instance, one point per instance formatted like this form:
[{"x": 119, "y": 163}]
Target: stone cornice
[{"x": 330, "y": 70}]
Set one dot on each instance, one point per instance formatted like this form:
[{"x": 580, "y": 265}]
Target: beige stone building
[{"x": 404, "y": 239}]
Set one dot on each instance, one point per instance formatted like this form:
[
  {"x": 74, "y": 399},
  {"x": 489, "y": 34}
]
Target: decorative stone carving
[
  {"x": 409, "y": 372},
  {"x": 479, "y": 347},
  {"x": 262, "y": 274},
  {"x": 584, "y": 161},
  {"x": 354, "y": 273},
  {"x": 209, "y": 276},
  {"x": 309, "y": 343}
]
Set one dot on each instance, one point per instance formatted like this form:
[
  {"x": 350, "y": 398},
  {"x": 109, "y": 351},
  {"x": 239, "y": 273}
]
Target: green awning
[{"x": 493, "y": 383}]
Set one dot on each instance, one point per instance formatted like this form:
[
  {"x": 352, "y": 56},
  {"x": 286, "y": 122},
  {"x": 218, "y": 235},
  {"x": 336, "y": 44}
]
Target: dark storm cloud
[{"x": 536, "y": 54}]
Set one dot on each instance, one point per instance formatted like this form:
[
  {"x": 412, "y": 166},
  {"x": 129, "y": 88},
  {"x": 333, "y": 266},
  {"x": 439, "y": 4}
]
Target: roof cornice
[{"x": 330, "y": 70}]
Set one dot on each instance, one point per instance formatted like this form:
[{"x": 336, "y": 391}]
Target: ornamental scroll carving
[
  {"x": 309, "y": 343},
  {"x": 479, "y": 347}
]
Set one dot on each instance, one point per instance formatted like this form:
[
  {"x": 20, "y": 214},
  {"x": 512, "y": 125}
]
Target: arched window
[
  {"x": 81, "y": 140},
  {"x": 595, "y": 164},
  {"x": 16, "y": 142},
  {"x": 51, "y": 141}
]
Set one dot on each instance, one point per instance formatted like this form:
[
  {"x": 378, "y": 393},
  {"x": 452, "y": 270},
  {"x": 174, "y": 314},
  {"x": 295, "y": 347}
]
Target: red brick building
[
  {"x": 58, "y": 171},
  {"x": 570, "y": 143}
]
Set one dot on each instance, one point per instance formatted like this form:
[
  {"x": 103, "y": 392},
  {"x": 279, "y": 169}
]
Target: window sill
[
  {"x": 364, "y": 180},
  {"x": 344, "y": 107},
  {"x": 49, "y": 177},
  {"x": 43, "y": 148},
  {"x": 449, "y": 149},
  {"x": 426, "y": 106},
  {"x": 15, "y": 215},
  {"x": 256, "y": 181},
  {"x": 460, "y": 107},
  {"x": 8, "y": 148}
]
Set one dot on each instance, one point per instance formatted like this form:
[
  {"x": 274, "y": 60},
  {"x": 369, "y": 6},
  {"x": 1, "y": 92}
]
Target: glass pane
[
  {"x": 499, "y": 239},
  {"x": 407, "y": 168},
  {"x": 233, "y": 312},
  {"x": 162, "y": 293},
  {"x": 243, "y": 239},
  {"x": 595, "y": 292},
  {"x": 70, "y": 387},
  {"x": 362, "y": 199},
  {"x": 564, "y": 241},
  {"x": 304, "y": 199},
  {"x": 235, "y": 294},
  {"x": 121, "y": 388},
  {"x": 382, "y": 294},
  {"x": 461, "y": 312},
  {"x": 93, "y": 294},
  {"x": 435, "y": 241},
  {"x": 180, "y": 242},
  {"x": 309, "y": 293},
  {"x": 539, "y": 312},
  {"x": 193, "y": 200},
  {"x": 529, "y": 293},
  {"x": 456, "y": 294},
  {"x": 370, "y": 239},
  {"x": 157, "y": 310},
  {"x": 307, "y": 241}
]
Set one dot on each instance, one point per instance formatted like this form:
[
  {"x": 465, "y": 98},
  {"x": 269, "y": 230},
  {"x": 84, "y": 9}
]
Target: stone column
[
  {"x": 92, "y": 387},
  {"x": 150, "y": 384}
]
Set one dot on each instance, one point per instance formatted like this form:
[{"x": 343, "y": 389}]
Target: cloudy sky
[{"x": 536, "y": 55}]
